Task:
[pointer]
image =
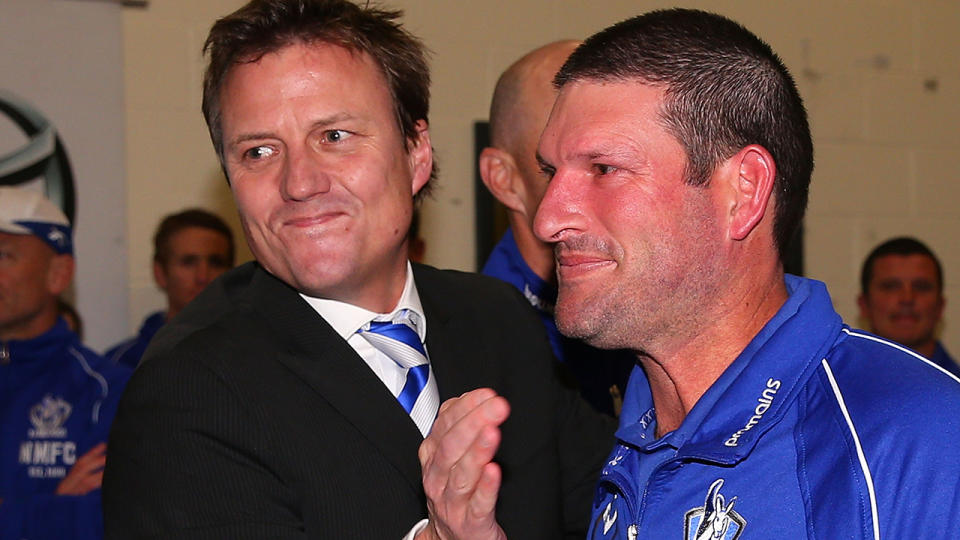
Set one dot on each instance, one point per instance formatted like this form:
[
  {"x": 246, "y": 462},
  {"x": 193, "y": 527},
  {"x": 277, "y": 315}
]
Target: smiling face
[
  {"x": 195, "y": 257},
  {"x": 323, "y": 179},
  {"x": 904, "y": 302},
  {"x": 636, "y": 246}
]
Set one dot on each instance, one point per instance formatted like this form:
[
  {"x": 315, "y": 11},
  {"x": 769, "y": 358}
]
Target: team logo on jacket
[
  {"x": 48, "y": 418},
  {"x": 715, "y": 520}
]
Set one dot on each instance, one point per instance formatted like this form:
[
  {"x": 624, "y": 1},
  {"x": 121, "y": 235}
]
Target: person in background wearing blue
[
  {"x": 191, "y": 248},
  {"x": 901, "y": 297},
  {"x": 57, "y": 398},
  {"x": 679, "y": 160},
  {"x": 518, "y": 111}
]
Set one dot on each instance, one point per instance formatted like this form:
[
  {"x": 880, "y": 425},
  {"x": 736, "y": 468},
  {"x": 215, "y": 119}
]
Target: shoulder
[
  {"x": 895, "y": 412},
  {"x": 464, "y": 288},
  {"x": 225, "y": 297},
  {"x": 97, "y": 370},
  {"x": 890, "y": 369},
  {"x": 893, "y": 400}
]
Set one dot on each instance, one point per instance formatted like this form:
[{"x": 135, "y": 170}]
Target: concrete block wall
[{"x": 881, "y": 80}]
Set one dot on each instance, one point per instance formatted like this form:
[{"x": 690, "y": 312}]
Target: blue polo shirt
[{"x": 814, "y": 431}]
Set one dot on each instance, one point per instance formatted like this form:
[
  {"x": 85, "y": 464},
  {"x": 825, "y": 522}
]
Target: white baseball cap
[{"x": 27, "y": 212}]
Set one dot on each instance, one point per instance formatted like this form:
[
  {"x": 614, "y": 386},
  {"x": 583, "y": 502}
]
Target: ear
[
  {"x": 499, "y": 173},
  {"x": 752, "y": 185},
  {"x": 420, "y": 154},
  {"x": 59, "y": 274},
  {"x": 160, "y": 275}
]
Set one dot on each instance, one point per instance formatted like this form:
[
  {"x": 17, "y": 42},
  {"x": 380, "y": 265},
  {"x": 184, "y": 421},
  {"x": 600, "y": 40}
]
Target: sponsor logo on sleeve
[{"x": 763, "y": 405}]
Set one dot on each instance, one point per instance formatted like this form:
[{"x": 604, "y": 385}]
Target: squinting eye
[
  {"x": 335, "y": 135},
  {"x": 258, "y": 152},
  {"x": 604, "y": 169}
]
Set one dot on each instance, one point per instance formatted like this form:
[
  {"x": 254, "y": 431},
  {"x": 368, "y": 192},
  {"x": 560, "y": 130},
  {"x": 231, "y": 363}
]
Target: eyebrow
[{"x": 319, "y": 123}]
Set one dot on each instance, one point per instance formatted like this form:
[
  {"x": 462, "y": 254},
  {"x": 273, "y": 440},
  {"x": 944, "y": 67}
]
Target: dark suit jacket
[{"x": 251, "y": 418}]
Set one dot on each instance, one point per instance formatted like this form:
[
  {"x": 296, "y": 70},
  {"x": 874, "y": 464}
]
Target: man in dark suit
[{"x": 277, "y": 405}]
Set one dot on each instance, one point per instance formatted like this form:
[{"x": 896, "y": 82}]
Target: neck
[
  {"x": 29, "y": 328},
  {"x": 680, "y": 372},
  {"x": 926, "y": 348},
  {"x": 537, "y": 255}
]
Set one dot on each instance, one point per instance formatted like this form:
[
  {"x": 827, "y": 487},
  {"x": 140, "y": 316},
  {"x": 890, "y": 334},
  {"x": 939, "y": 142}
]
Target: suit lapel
[
  {"x": 323, "y": 360},
  {"x": 456, "y": 355}
]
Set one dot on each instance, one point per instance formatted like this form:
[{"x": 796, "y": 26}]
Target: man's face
[
  {"x": 25, "y": 286},
  {"x": 321, "y": 174},
  {"x": 903, "y": 302},
  {"x": 636, "y": 247},
  {"x": 196, "y": 256}
]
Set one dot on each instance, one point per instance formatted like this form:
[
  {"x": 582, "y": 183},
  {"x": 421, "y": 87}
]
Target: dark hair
[
  {"x": 724, "y": 89},
  {"x": 193, "y": 217},
  {"x": 265, "y": 26},
  {"x": 902, "y": 245}
]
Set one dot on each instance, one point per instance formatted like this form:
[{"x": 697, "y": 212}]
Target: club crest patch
[
  {"x": 48, "y": 418},
  {"x": 715, "y": 520}
]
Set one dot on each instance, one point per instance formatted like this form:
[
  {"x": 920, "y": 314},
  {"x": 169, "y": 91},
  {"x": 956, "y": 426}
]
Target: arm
[
  {"x": 459, "y": 477},
  {"x": 72, "y": 512},
  {"x": 187, "y": 460}
]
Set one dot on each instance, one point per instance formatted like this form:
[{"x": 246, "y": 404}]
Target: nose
[
  {"x": 304, "y": 176},
  {"x": 908, "y": 294},
  {"x": 204, "y": 273},
  {"x": 560, "y": 212}
]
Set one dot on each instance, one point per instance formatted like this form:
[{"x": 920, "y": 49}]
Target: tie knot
[{"x": 397, "y": 339}]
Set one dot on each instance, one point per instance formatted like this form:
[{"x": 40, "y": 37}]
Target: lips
[
  {"x": 574, "y": 265},
  {"x": 312, "y": 220}
]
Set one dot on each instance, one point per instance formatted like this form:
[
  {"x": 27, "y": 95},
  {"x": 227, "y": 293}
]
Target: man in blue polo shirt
[
  {"x": 679, "y": 159},
  {"x": 57, "y": 398}
]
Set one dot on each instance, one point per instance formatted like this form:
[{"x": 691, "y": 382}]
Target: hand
[
  {"x": 86, "y": 474},
  {"x": 459, "y": 477}
]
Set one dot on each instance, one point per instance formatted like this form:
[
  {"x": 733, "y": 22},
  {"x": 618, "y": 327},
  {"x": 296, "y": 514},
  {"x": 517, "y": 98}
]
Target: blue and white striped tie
[{"x": 400, "y": 342}]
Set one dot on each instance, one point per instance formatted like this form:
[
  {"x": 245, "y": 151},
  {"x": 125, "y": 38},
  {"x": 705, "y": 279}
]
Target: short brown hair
[
  {"x": 265, "y": 26},
  {"x": 724, "y": 88},
  {"x": 192, "y": 217}
]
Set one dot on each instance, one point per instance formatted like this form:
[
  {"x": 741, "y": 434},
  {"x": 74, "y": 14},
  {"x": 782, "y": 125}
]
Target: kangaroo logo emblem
[{"x": 716, "y": 519}]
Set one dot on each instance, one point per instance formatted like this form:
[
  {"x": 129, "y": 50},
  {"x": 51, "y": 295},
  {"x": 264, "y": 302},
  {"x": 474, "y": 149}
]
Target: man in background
[
  {"x": 57, "y": 398},
  {"x": 901, "y": 297},
  {"x": 521, "y": 103},
  {"x": 191, "y": 248},
  {"x": 679, "y": 157}
]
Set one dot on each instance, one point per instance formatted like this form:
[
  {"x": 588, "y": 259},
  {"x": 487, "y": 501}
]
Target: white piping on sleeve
[
  {"x": 856, "y": 439},
  {"x": 104, "y": 388},
  {"x": 902, "y": 349}
]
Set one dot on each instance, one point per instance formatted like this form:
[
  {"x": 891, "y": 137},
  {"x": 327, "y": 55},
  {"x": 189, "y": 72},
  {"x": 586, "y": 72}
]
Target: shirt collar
[
  {"x": 346, "y": 318},
  {"x": 752, "y": 393}
]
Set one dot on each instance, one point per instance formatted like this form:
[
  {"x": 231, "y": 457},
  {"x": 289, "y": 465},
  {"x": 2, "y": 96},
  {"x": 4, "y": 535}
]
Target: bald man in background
[{"x": 521, "y": 104}]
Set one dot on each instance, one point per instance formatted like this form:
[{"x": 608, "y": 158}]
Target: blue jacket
[
  {"x": 57, "y": 399},
  {"x": 596, "y": 370},
  {"x": 815, "y": 431},
  {"x": 129, "y": 351}
]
